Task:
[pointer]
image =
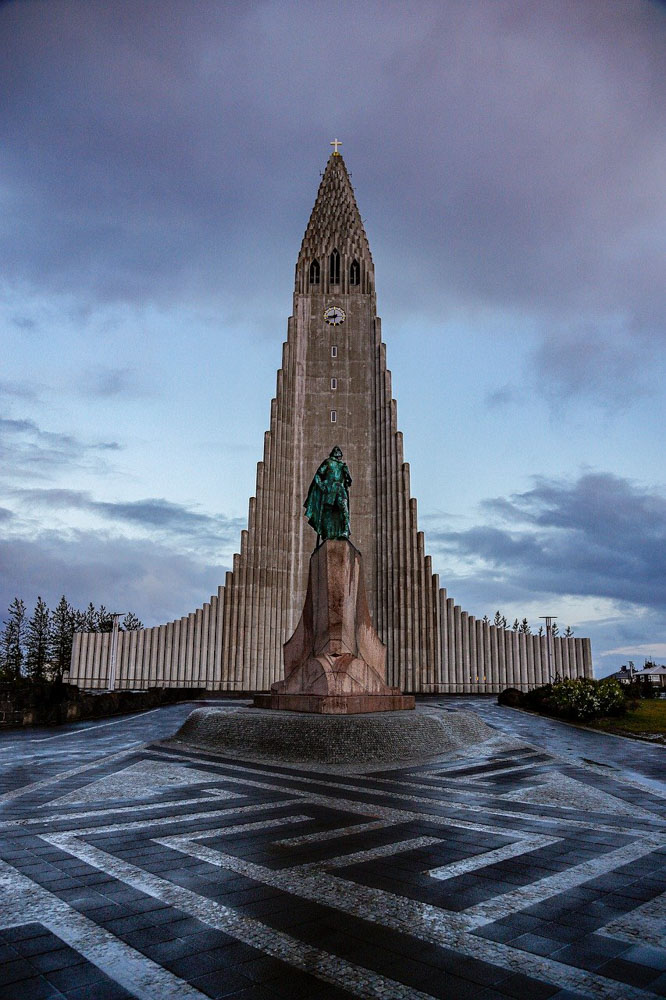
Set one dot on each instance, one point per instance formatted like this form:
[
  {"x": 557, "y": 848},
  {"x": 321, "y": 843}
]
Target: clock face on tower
[{"x": 334, "y": 315}]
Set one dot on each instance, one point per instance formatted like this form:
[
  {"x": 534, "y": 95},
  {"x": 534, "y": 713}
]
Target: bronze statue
[{"x": 327, "y": 504}]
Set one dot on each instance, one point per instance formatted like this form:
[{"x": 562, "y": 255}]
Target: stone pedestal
[{"x": 335, "y": 663}]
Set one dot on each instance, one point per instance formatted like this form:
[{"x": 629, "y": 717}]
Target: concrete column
[
  {"x": 152, "y": 676},
  {"x": 268, "y": 500},
  {"x": 444, "y": 679},
  {"x": 587, "y": 658},
  {"x": 435, "y": 625},
  {"x": 488, "y": 663},
  {"x": 216, "y": 675},
  {"x": 464, "y": 649},
  {"x": 536, "y": 656},
  {"x": 493, "y": 671},
  {"x": 105, "y": 658},
  {"x": 142, "y": 658},
  {"x": 239, "y": 671},
  {"x": 513, "y": 677},
  {"x": 97, "y": 665},
  {"x": 175, "y": 652},
  {"x": 159, "y": 661},
  {"x": 557, "y": 654},
  {"x": 525, "y": 659},
  {"x": 76, "y": 673},
  {"x": 565, "y": 658},
  {"x": 480, "y": 667},
  {"x": 451, "y": 645},
  {"x": 203, "y": 619},
  {"x": 74, "y": 658},
  {"x": 473, "y": 657},
  {"x": 187, "y": 641},
  {"x": 226, "y": 631}
]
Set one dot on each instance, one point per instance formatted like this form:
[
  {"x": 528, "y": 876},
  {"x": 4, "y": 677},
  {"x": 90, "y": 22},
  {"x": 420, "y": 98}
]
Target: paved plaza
[{"x": 531, "y": 865}]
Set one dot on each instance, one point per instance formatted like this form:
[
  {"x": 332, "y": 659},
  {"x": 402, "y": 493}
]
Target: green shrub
[
  {"x": 579, "y": 699},
  {"x": 511, "y": 697}
]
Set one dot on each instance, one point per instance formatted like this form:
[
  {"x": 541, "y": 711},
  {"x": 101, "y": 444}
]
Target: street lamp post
[
  {"x": 116, "y": 615},
  {"x": 549, "y": 619}
]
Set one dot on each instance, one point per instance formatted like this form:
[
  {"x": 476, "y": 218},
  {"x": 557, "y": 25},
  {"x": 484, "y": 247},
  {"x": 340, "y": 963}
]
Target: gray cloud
[
  {"x": 27, "y": 449},
  {"x": 152, "y": 513},
  {"x": 108, "y": 383},
  {"x": 23, "y": 322},
  {"x": 610, "y": 369},
  {"x": 506, "y": 153},
  {"x": 141, "y": 576},
  {"x": 18, "y": 390},
  {"x": 601, "y": 536}
]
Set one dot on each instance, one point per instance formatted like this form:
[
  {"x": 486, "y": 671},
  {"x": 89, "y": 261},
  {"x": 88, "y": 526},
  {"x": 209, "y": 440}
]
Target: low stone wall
[{"x": 54, "y": 704}]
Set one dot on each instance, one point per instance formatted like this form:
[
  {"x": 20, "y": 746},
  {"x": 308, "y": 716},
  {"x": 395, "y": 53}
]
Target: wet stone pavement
[{"x": 531, "y": 865}]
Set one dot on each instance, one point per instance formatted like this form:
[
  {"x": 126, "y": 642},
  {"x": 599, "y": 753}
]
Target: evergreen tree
[
  {"x": 88, "y": 619},
  {"x": 568, "y": 632},
  {"x": 516, "y": 625},
  {"x": 540, "y": 632},
  {"x": 63, "y": 626},
  {"x": 104, "y": 620},
  {"x": 12, "y": 640},
  {"x": 555, "y": 629},
  {"x": 497, "y": 620},
  {"x": 486, "y": 620},
  {"x": 37, "y": 641},
  {"x": 525, "y": 627},
  {"x": 130, "y": 622}
]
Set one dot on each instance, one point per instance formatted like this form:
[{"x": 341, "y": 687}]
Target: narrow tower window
[
  {"x": 355, "y": 273},
  {"x": 334, "y": 416},
  {"x": 334, "y": 268},
  {"x": 334, "y": 383},
  {"x": 334, "y": 352},
  {"x": 314, "y": 272}
]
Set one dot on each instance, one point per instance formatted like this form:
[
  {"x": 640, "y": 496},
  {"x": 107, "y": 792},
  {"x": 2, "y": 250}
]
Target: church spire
[{"x": 335, "y": 224}]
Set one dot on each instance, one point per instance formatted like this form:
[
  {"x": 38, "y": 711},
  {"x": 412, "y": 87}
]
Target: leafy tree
[
  {"x": 130, "y": 622},
  {"x": 63, "y": 626},
  {"x": 12, "y": 640}
]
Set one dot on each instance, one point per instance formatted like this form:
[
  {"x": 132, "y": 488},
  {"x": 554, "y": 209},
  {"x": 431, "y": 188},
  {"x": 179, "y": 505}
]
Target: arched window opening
[
  {"x": 334, "y": 268},
  {"x": 355, "y": 273},
  {"x": 314, "y": 272}
]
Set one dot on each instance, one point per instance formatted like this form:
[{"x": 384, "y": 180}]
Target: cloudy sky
[{"x": 158, "y": 164}]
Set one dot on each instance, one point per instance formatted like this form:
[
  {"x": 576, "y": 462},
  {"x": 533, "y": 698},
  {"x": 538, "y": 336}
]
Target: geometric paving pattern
[{"x": 165, "y": 873}]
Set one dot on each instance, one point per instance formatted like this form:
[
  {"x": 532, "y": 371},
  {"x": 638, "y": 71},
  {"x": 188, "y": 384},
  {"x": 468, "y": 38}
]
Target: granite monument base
[
  {"x": 349, "y": 704},
  {"x": 335, "y": 663}
]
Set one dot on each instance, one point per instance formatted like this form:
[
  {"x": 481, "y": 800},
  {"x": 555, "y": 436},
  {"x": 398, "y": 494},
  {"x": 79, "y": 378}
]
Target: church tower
[{"x": 333, "y": 389}]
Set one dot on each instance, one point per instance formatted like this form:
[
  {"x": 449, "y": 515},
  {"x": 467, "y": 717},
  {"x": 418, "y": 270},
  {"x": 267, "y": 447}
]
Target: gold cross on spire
[{"x": 336, "y": 143}]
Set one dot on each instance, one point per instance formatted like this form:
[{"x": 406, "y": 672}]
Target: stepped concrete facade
[{"x": 333, "y": 388}]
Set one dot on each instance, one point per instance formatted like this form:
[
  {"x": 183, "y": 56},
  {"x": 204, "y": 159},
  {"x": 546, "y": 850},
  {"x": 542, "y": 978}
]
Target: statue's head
[{"x": 336, "y": 453}]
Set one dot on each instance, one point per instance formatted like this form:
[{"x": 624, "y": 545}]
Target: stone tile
[{"x": 529, "y": 924}]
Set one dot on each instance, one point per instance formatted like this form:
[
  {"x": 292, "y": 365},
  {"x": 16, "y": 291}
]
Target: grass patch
[{"x": 647, "y": 721}]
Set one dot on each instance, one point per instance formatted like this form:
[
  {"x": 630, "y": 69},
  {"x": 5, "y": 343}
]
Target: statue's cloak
[{"x": 323, "y": 492}]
